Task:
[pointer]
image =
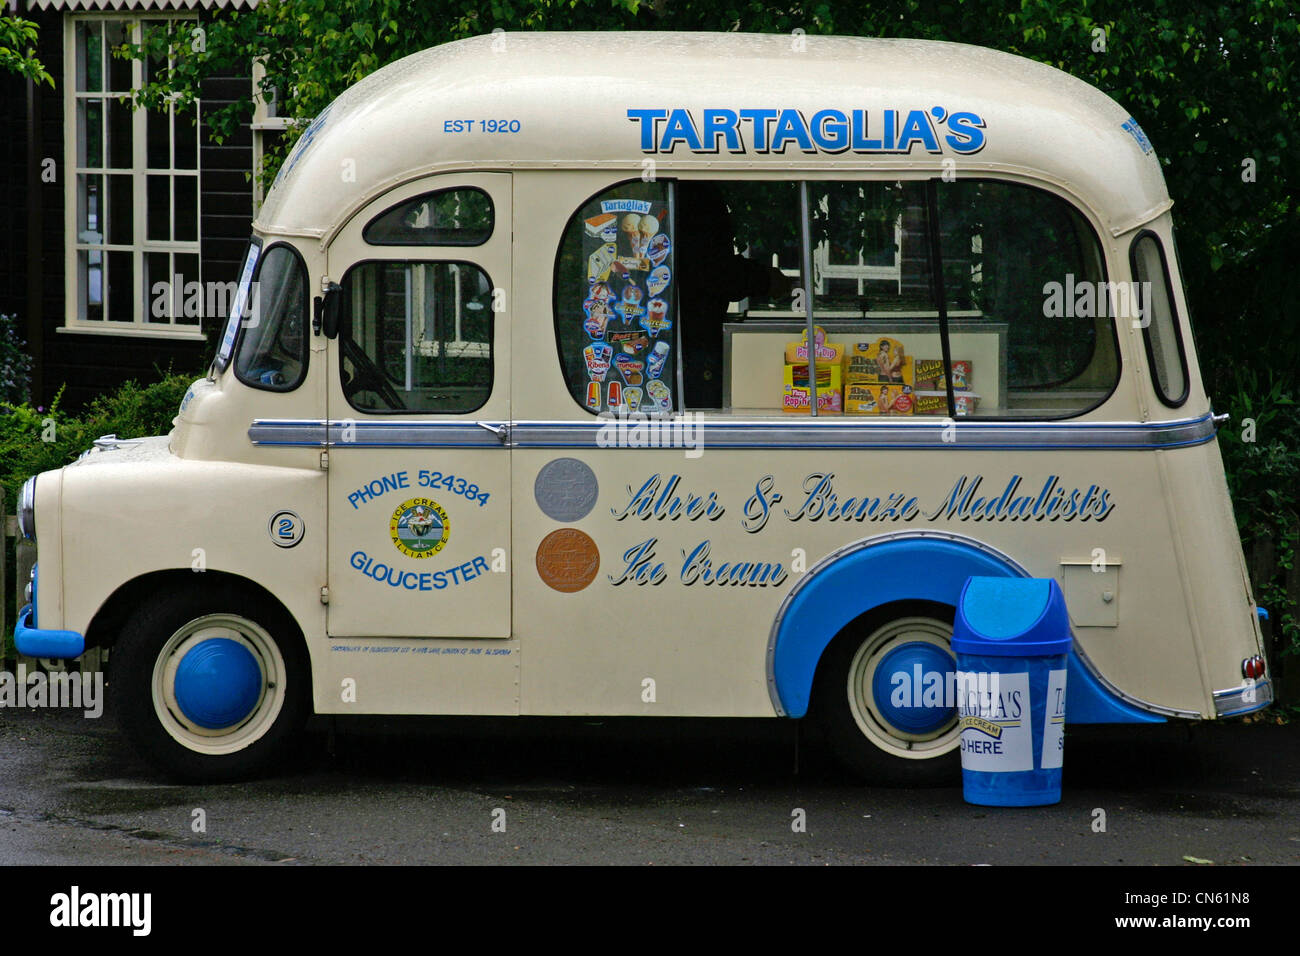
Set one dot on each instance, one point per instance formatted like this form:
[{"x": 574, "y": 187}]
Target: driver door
[{"x": 419, "y": 469}]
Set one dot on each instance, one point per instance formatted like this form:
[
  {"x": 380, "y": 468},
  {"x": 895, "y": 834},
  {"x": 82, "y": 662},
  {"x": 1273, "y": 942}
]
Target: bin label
[
  {"x": 996, "y": 731},
  {"x": 1054, "y": 729}
]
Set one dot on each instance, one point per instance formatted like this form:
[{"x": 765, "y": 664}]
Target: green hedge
[
  {"x": 1261, "y": 451},
  {"x": 36, "y": 439}
]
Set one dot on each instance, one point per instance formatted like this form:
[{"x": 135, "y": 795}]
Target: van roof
[{"x": 597, "y": 100}]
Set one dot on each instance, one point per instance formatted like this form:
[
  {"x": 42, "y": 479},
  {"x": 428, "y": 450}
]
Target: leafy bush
[
  {"x": 37, "y": 439},
  {"x": 15, "y": 363},
  {"x": 1261, "y": 451}
]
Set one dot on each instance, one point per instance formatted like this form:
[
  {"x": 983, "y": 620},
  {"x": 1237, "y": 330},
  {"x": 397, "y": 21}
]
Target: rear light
[{"x": 1253, "y": 667}]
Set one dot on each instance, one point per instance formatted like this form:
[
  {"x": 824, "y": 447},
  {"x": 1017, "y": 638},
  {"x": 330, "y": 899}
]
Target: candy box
[
  {"x": 881, "y": 361},
  {"x": 929, "y": 375},
  {"x": 795, "y": 399},
  {"x": 828, "y": 376},
  {"x": 936, "y": 402},
  {"x": 929, "y": 403},
  {"x": 826, "y": 352},
  {"x": 862, "y": 399}
]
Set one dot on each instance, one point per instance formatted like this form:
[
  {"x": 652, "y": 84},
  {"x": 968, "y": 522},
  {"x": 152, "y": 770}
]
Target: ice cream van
[{"x": 670, "y": 375}]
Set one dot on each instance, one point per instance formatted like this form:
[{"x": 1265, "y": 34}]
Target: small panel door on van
[{"x": 419, "y": 472}]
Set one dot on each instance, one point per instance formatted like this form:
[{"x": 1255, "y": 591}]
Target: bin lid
[{"x": 1011, "y": 617}]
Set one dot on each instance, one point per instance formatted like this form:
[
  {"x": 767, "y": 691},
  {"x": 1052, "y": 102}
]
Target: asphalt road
[{"x": 634, "y": 792}]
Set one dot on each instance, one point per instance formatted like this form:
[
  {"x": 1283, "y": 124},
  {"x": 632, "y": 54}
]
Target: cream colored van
[{"x": 670, "y": 375}]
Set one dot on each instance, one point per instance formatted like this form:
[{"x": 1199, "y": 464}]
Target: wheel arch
[
  {"x": 112, "y": 614},
  {"x": 857, "y": 580}
]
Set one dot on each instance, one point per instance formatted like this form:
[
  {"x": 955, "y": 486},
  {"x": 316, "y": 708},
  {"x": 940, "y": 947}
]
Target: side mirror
[{"x": 325, "y": 312}]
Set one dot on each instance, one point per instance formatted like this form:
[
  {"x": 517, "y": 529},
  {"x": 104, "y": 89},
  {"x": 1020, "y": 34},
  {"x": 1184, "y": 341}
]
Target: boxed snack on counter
[
  {"x": 796, "y": 391},
  {"x": 798, "y": 351},
  {"x": 829, "y": 389},
  {"x": 936, "y": 403},
  {"x": 860, "y": 399},
  {"x": 881, "y": 361},
  {"x": 929, "y": 403},
  {"x": 795, "y": 399},
  {"x": 929, "y": 375}
]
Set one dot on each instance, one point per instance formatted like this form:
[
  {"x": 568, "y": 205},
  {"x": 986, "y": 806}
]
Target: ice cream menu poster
[{"x": 628, "y": 314}]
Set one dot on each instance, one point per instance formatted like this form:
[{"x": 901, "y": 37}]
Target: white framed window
[
  {"x": 132, "y": 192},
  {"x": 268, "y": 127}
]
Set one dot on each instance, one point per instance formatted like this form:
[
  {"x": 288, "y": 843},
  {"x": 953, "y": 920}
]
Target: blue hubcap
[
  {"x": 912, "y": 687},
  {"x": 218, "y": 683}
]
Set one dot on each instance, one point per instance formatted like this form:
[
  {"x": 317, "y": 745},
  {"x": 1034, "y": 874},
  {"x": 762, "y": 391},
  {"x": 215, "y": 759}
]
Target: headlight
[{"x": 27, "y": 509}]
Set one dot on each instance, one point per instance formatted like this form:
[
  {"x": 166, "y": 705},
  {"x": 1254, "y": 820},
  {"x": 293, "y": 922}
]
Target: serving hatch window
[{"x": 974, "y": 298}]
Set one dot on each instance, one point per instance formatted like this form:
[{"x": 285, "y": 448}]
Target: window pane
[
  {"x": 187, "y": 208},
  {"x": 90, "y": 133},
  {"x": 119, "y": 70},
  {"x": 1164, "y": 343},
  {"x": 615, "y": 302},
  {"x": 120, "y": 210},
  {"x": 452, "y": 217},
  {"x": 90, "y": 284},
  {"x": 416, "y": 336},
  {"x": 1023, "y": 269},
  {"x": 158, "y": 140},
  {"x": 120, "y": 155},
  {"x": 272, "y": 352},
  {"x": 90, "y": 196},
  {"x": 195, "y": 307},
  {"x": 869, "y": 248},
  {"x": 160, "y": 293},
  {"x": 185, "y": 138},
  {"x": 121, "y": 287},
  {"x": 90, "y": 56},
  {"x": 158, "y": 219},
  {"x": 154, "y": 66}
]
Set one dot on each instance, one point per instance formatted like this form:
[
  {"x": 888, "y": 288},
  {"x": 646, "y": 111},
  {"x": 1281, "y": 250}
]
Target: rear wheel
[
  {"x": 210, "y": 685},
  {"x": 884, "y": 697}
]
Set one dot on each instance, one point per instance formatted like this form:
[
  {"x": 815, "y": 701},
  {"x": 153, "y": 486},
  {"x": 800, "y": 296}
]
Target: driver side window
[{"x": 416, "y": 337}]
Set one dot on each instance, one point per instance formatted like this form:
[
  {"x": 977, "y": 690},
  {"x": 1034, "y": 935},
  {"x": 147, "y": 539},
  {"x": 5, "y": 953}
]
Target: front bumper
[{"x": 34, "y": 642}]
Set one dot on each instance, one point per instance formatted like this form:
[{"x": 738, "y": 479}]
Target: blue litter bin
[{"x": 1011, "y": 638}]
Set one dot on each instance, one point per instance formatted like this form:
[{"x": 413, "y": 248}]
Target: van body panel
[{"x": 471, "y": 539}]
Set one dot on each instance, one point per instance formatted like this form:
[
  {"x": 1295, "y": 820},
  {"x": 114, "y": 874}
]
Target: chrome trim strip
[
  {"x": 369, "y": 434},
  {"x": 965, "y": 434},
  {"x": 944, "y": 536},
  {"x": 1232, "y": 702},
  {"x": 848, "y": 434}
]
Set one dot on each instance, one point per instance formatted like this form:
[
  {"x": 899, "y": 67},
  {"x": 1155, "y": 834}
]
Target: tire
[
  {"x": 210, "y": 684},
  {"x": 906, "y": 745}
]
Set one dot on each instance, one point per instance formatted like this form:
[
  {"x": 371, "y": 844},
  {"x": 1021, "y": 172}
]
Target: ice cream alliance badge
[{"x": 419, "y": 527}]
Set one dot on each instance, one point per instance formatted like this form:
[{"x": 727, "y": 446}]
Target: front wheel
[
  {"x": 884, "y": 697},
  {"x": 210, "y": 685}
]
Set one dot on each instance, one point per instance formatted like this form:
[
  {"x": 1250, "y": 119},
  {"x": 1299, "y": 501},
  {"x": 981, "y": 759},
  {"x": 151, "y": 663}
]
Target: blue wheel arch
[{"x": 904, "y": 566}]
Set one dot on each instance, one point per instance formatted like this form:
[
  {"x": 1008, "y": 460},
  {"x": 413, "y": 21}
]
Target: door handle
[{"x": 501, "y": 431}]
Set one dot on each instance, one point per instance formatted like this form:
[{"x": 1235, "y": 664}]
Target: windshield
[
  {"x": 272, "y": 353},
  {"x": 238, "y": 305}
]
